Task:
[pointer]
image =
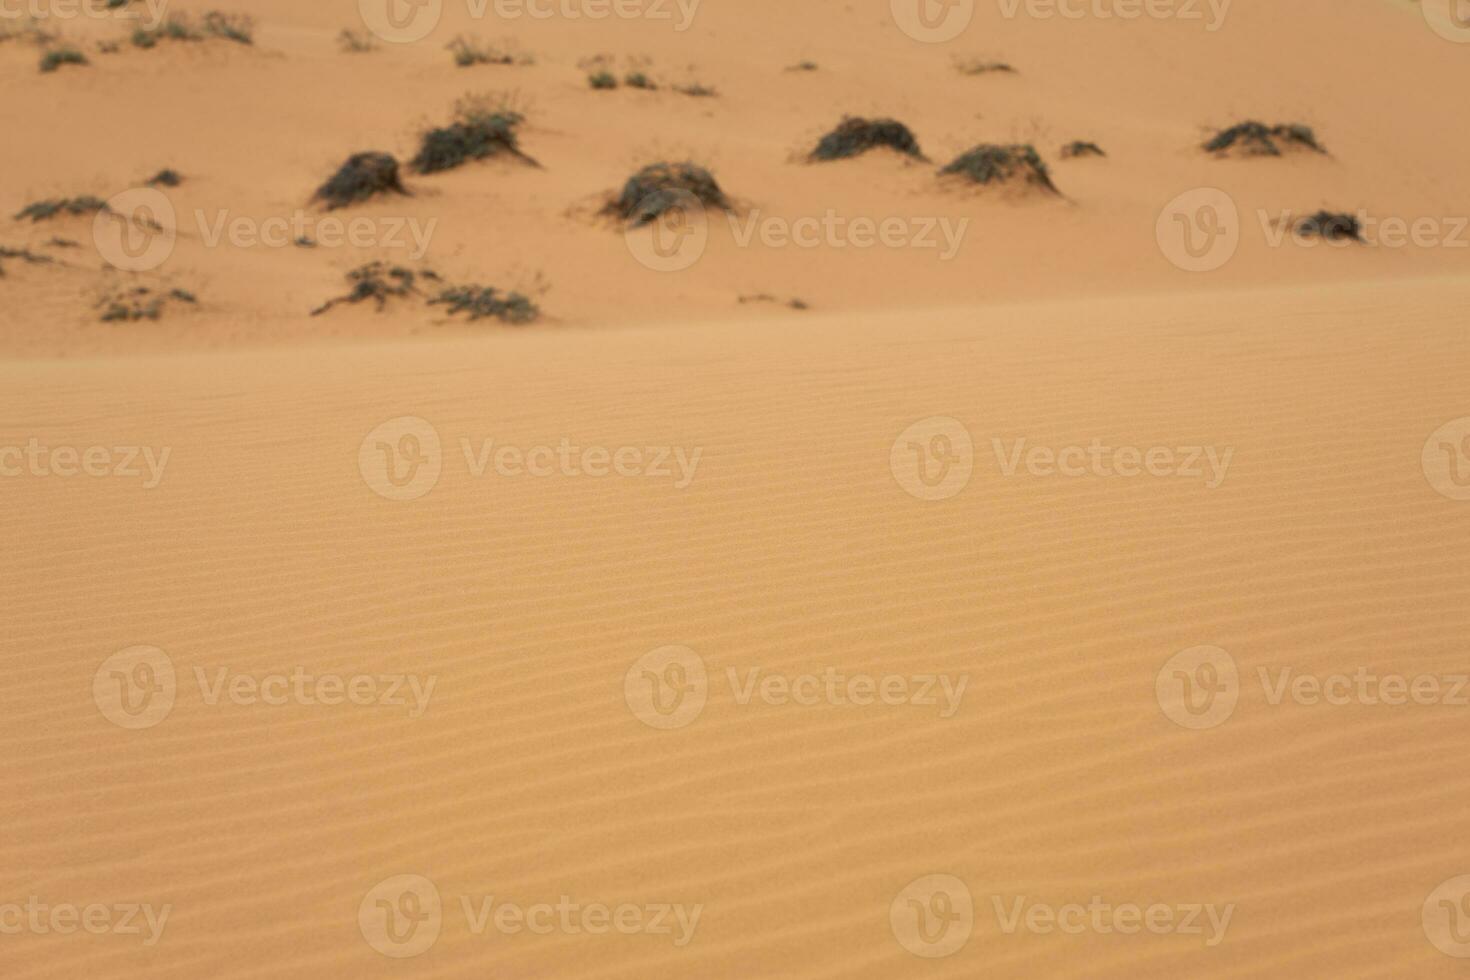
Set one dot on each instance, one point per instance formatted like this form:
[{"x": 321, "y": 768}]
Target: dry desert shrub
[{"x": 855, "y": 135}]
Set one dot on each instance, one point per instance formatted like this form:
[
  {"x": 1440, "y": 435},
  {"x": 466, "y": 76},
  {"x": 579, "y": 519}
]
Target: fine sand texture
[
  {"x": 535, "y": 772},
  {"x": 1087, "y": 599}
]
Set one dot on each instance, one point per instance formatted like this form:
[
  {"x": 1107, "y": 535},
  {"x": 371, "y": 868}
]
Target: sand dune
[
  {"x": 528, "y": 775},
  {"x": 238, "y": 124},
  {"x": 1080, "y": 595}
]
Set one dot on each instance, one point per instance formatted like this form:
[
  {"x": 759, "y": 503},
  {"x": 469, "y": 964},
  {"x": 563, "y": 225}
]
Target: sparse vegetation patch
[
  {"x": 1081, "y": 148},
  {"x": 356, "y": 42},
  {"x": 141, "y": 303},
  {"x": 855, "y": 136},
  {"x": 486, "y": 302},
  {"x": 469, "y": 51},
  {"x": 482, "y": 128},
  {"x": 381, "y": 282},
  {"x": 364, "y": 175},
  {"x": 1331, "y": 225},
  {"x": 991, "y": 163},
  {"x": 178, "y": 27},
  {"x": 24, "y": 254},
  {"x": 979, "y": 66},
  {"x": 1257, "y": 139},
  {"x": 56, "y": 57},
  {"x": 659, "y": 187},
  {"x": 43, "y": 210}
]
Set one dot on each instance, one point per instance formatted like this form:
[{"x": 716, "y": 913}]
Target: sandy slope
[
  {"x": 255, "y": 130},
  {"x": 793, "y": 549}
]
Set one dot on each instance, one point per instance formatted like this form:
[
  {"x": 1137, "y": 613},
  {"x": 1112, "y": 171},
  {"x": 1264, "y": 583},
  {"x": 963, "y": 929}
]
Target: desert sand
[{"x": 1048, "y": 610}]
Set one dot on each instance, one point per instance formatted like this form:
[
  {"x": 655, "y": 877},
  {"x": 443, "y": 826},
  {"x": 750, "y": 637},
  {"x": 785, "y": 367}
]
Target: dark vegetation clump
[
  {"x": 482, "y": 302},
  {"x": 1081, "y": 148},
  {"x": 356, "y": 42},
  {"x": 42, "y": 210},
  {"x": 165, "y": 178},
  {"x": 56, "y": 57},
  {"x": 602, "y": 80},
  {"x": 803, "y": 66},
  {"x": 977, "y": 66},
  {"x": 1334, "y": 226},
  {"x": 793, "y": 303},
  {"x": 230, "y": 27},
  {"x": 481, "y": 129},
  {"x": 469, "y": 52},
  {"x": 379, "y": 282},
  {"x": 854, "y": 136},
  {"x": 990, "y": 163},
  {"x": 24, "y": 254},
  {"x": 637, "y": 79},
  {"x": 660, "y": 187},
  {"x": 361, "y": 177},
  {"x": 141, "y": 303},
  {"x": 697, "y": 90},
  {"x": 1257, "y": 139}
]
